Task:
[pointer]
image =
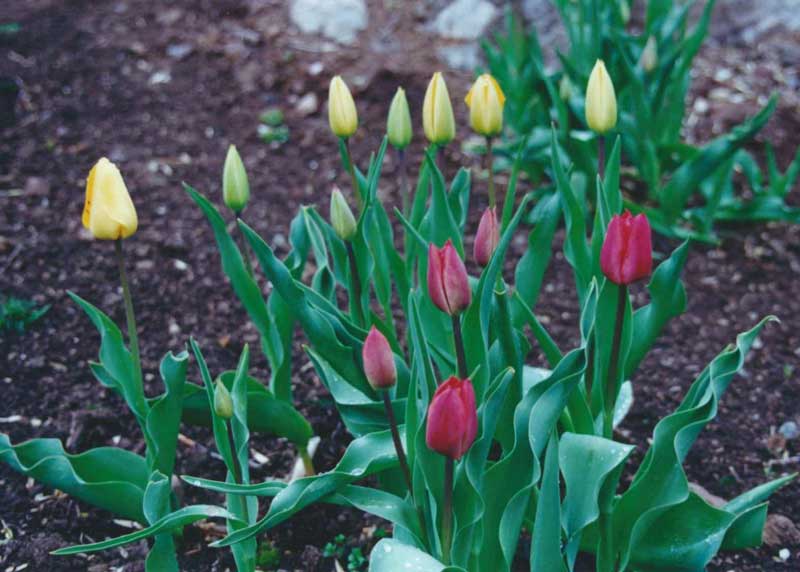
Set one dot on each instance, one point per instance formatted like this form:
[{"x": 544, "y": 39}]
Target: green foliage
[{"x": 16, "y": 314}]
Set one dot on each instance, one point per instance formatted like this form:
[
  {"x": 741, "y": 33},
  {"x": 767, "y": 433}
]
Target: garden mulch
[{"x": 105, "y": 78}]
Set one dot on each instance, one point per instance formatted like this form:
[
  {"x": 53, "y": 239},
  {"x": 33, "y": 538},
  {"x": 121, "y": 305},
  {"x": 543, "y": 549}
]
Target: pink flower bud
[
  {"x": 487, "y": 237},
  {"x": 448, "y": 283},
  {"x": 452, "y": 418},
  {"x": 627, "y": 254},
  {"x": 378, "y": 360}
]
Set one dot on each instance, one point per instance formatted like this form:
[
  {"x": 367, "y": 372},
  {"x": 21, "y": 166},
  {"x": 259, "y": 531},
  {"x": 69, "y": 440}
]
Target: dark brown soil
[{"x": 90, "y": 74}]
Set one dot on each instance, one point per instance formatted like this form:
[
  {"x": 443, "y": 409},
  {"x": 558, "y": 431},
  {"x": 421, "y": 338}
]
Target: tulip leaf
[
  {"x": 660, "y": 483},
  {"x": 161, "y": 557},
  {"x": 390, "y": 555},
  {"x": 107, "y": 477},
  {"x": 364, "y": 456},
  {"x": 164, "y": 417},
  {"x": 545, "y": 553},
  {"x": 439, "y": 224}
]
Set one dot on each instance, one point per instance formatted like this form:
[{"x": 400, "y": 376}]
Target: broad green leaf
[
  {"x": 161, "y": 557},
  {"x": 107, "y": 477},
  {"x": 546, "y": 539},
  {"x": 389, "y": 555},
  {"x": 164, "y": 417}
]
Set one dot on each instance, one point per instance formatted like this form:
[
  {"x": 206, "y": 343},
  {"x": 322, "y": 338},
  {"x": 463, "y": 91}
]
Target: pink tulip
[
  {"x": 627, "y": 254},
  {"x": 378, "y": 360},
  {"x": 452, "y": 418},
  {"x": 448, "y": 283},
  {"x": 487, "y": 237}
]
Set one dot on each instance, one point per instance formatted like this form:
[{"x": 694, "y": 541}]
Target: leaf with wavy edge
[
  {"x": 390, "y": 555},
  {"x": 106, "y": 477}
]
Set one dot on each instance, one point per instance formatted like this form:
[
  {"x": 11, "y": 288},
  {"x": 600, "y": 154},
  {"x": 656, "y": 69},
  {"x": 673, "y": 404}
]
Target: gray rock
[
  {"x": 339, "y": 20},
  {"x": 465, "y": 19},
  {"x": 460, "y": 56},
  {"x": 789, "y": 430}
]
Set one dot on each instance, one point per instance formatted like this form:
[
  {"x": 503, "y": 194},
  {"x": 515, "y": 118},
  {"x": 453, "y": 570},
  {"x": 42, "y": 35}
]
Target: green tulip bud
[
  {"x": 649, "y": 58},
  {"x": 398, "y": 124},
  {"x": 342, "y": 219},
  {"x": 235, "y": 187},
  {"x": 223, "y": 404}
]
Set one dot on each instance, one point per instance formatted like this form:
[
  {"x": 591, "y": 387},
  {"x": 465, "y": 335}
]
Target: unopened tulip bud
[
  {"x": 342, "y": 114},
  {"x": 378, "y": 360},
  {"x": 108, "y": 211},
  {"x": 649, "y": 58},
  {"x": 437, "y": 112},
  {"x": 487, "y": 237},
  {"x": 601, "y": 101},
  {"x": 235, "y": 186},
  {"x": 398, "y": 123},
  {"x": 627, "y": 253},
  {"x": 565, "y": 88},
  {"x": 448, "y": 283},
  {"x": 223, "y": 404},
  {"x": 452, "y": 418},
  {"x": 342, "y": 219},
  {"x": 485, "y": 101}
]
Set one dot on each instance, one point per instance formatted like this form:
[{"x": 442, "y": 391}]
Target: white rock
[
  {"x": 465, "y": 19},
  {"x": 339, "y": 20}
]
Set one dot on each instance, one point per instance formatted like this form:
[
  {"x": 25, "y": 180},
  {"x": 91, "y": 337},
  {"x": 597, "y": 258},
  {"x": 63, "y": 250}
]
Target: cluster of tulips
[{"x": 455, "y": 505}]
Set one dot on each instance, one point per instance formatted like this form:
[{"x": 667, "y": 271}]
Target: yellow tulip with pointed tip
[
  {"x": 398, "y": 123},
  {"x": 342, "y": 219},
  {"x": 108, "y": 211},
  {"x": 235, "y": 186},
  {"x": 437, "y": 112},
  {"x": 485, "y": 101},
  {"x": 342, "y": 114},
  {"x": 601, "y": 100}
]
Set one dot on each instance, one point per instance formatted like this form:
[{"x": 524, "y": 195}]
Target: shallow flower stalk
[{"x": 130, "y": 316}]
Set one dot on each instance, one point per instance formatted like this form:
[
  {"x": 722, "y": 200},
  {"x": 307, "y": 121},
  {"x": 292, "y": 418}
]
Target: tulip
[
  {"x": 448, "y": 283},
  {"x": 649, "y": 58},
  {"x": 235, "y": 186},
  {"x": 108, "y": 211},
  {"x": 398, "y": 123},
  {"x": 378, "y": 360},
  {"x": 452, "y": 418},
  {"x": 627, "y": 253},
  {"x": 485, "y": 101},
  {"x": 487, "y": 237},
  {"x": 342, "y": 219},
  {"x": 223, "y": 404},
  {"x": 601, "y": 101},
  {"x": 437, "y": 112},
  {"x": 342, "y": 114}
]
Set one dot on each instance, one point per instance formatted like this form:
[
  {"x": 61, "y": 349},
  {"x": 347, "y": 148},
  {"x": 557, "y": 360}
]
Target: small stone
[
  {"x": 307, "y": 105},
  {"x": 181, "y": 265},
  {"x": 160, "y": 77},
  {"x": 339, "y": 20},
  {"x": 789, "y": 430},
  {"x": 465, "y": 19},
  {"x": 316, "y": 68},
  {"x": 780, "y": 531},
  {"x": 784, "y": 554},
  {"x": 179, "y": 51}
]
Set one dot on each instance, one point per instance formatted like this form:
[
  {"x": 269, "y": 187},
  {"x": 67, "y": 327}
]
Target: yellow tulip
[
  {"x": 398, "y": 123},
  {"x": 601, "y": 101},
  {"x": 485, "y": 101},
  {"x": 108, "y": 211},
  {"x": 342, "y": 219},
  {"x": 437, "y": 112},
  {"x": 342, "y": 114},
  {"x": 235, "y": 186}
]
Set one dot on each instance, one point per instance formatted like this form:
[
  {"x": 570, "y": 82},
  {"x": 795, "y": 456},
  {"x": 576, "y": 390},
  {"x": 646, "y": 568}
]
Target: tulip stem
[
  {"x": 245, "y": 252},
  {"x": 308, "y": 464},
  {"x": 458, "y": 338},
  {"x": 601, "y": 157},
  {"x": 403, "y": 167},
  {"x": 130, "y": 317},
  {"x": 611, "y": 381},
  {"x": 355, "y": 300},
  {"x": 447, "y": 513},
  {"x": 352, "y": 169},
  {"x": 236, "y": 469},
  {"x": 489, "y": 168}
]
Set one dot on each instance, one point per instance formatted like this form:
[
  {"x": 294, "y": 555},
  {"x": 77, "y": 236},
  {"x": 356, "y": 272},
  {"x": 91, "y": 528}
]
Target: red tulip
[
  {"x": 452, "y": 418},
  {"x": 627, "y": 254},
  {"x": 378, "y": 360},
  {"x": 448, "y": 283},
  {"x": 487, "y": 237}
]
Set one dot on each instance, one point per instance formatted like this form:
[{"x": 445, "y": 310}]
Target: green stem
[
  {"x": 308, "y": 464},
  {"x": 130, "y": 317},
  {"x": 601, "y": 157},
  {"x": 352, "y": 169},
  {"x": 404, "y": 192},
  {"x": 489, "y": 168},
  {"x": 236, "y": 468},
  {"x": 245, "y": 251},
  {"x": 611, "y": 380},
  {"x": 605, "y": 549},
  {"x": 447, "y": 513},
  {"x": 458, "y": 339},
  {"x": 355, "y": 300}
]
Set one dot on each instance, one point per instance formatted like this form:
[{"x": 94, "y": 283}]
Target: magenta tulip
[
  {"x": 452, "y": 418},
  {"x": 627, "y": 254},
  {"x": 448, "y": 283},
  {"x": 378, "y": 360},
  {"x": 487, "y": 237}
]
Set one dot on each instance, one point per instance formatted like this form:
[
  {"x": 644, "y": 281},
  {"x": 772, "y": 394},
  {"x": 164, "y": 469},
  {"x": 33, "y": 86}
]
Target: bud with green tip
[
  {"x": 223, "y": 404},
  {"x": 601, "y": 100},
  {"x": 235, "y": 186},
  {"x": 649, "y": 58},
  {"x": 342, "y": 219},
  {"x": 398, "y": 124}
]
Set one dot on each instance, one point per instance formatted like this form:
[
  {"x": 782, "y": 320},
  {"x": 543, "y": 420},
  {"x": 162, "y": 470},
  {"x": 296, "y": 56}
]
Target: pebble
[
  {"x": 307, "y": 105},
  {"x": 789, "y": 430},
  {"x": 464, "y": 19},
  {"x": 339, "y": 20}
]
